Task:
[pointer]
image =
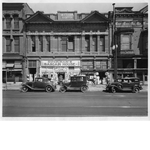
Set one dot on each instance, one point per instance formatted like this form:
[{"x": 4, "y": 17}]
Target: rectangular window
[
  {"x": 70, "y": 43},
  {"x": 87, "y": 43},
  {"x": 8, "y": 22},
  {"x": 16, "y": 22},
  {"x": 126, "y": 42},
  {"x": 94, "y": 43},
  {"x": 64, "y": 43},
  {"x": 40, "y": 43},
  {"x": 32, "y": 64},
  {"x": 33, "y": 43},
  {"x": 8, "y": 44},
  {"x": 48, "y": 43},
  {"x": 16, "y": 43},
  {"x": 102, "y": 43}
]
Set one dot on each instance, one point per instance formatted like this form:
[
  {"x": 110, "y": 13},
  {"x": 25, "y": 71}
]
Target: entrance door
[{"x": 61, "y": 76}]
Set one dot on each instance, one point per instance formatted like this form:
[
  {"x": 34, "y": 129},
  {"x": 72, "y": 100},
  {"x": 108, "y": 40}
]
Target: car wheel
[
  {"x": 62, "y": 90},
  {"x": 49, "y": 89},
  {"x": 24, "y": 89},
  {"x": 113, "y": 90},
  {"x": 135, "y": 90},
  {"x": 83, "y": 88}
]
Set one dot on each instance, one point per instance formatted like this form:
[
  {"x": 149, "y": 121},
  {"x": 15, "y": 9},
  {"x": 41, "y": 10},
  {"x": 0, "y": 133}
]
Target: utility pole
[{"x": 114, "y": 43}]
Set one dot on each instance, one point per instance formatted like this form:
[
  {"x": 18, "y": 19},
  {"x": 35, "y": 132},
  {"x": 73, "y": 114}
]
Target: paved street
[{"x": 74, "y": 104}]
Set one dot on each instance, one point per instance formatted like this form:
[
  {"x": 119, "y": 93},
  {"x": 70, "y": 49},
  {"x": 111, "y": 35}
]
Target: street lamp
[{"x": 115, "y": 46}]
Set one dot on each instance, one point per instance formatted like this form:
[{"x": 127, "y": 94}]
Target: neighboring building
[
  {"x": 13, "y": 51},
  {"x": 131, "y": 36},
  {"x": 67, "y": 43}
]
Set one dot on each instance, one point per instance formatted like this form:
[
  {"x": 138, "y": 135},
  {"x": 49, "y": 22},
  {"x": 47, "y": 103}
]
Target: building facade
[
  {"x": 131, "y": 38},
  {"x": 13, "y": 51},
  {"x": 67, "y": 43}
]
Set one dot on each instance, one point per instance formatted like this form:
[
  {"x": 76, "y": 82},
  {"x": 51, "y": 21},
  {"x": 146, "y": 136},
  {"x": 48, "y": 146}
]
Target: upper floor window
[
  {"x": 102, "y": 43},
  {"x": 87, "y": 43},
  {"x": 8, "y": 21},
  {"x": 41, "y": 43},
  {"x": 48, "y": 43},
  {"x": 64, "y": 43},
  {"x": 16, "y": 22},
  {"x": 33, "y": 43},
  {"x": 16, "y": 44},
  {"x": 94, "y": 43},
  {"x": 8, "y": 44},
  {"x": 126, "y": 40},
  {"x": 70, "y": 43}
]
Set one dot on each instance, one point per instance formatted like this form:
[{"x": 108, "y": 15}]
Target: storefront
[
  {"x": 59, "y": 69},
  {"x": 12, "y": 71}
]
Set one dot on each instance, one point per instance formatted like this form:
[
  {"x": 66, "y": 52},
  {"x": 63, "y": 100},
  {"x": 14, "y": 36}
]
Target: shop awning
[{"x": 9, "y": 65}]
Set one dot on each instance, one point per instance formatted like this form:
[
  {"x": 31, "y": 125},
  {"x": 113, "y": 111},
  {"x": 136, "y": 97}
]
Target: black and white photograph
[
  {"x": 71, "y": 63},
  {"x": 74, "y": 61}
]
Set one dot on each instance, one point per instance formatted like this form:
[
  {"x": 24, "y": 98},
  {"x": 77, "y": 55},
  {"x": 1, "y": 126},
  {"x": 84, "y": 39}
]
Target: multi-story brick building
[
  {"x": 131, "y": 36},
  {"x": 13, "y": 51},
  {"x": 67, "y": 43}
]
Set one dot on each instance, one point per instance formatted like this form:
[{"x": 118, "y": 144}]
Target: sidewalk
[{"x": 100, "y": 87}]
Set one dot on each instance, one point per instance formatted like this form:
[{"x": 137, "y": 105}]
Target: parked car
[
  {"x": 76, "y": 83},
  {"x": 125, "y": 84},
  {"x": 39, "y": 84}
]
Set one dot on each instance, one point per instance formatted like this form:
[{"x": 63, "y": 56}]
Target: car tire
[
  {"x": 135, "y": 90},
  {"x": 24, "y": 89},
  {"x": 49, "y": 89},
  {"x": 62, "y": 90},
  {"x": 83, "y": 89},
  {"x": 113, "y": 90}
]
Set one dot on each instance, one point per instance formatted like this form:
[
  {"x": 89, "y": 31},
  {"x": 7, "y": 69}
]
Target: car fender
[{"x": 27, "y": 86}]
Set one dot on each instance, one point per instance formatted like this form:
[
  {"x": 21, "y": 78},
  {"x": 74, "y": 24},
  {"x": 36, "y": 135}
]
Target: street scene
[
  {"x": 93, "y": 103},
  {"x": 75, "y": 63}
]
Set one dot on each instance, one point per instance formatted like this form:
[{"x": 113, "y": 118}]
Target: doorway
[{"x": 61, "y": 77}]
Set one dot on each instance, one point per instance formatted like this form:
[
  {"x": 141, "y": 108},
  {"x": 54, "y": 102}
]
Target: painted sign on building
[{"x": 71, "y": 63}]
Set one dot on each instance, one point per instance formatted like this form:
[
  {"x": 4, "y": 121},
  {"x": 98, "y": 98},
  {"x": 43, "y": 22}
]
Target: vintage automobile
[
  {"x": 76, "y": 83},
  {"x": 40, "y": 83},
  {"x": 125, "y": 84}
]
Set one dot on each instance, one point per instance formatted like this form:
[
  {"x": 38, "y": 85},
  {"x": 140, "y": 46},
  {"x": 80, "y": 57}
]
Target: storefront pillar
[
  {"x": 51, "y": 43},
  {"x": 91, "y": 42},
  {"x": 59, "y": 43},
  {"x": 75, "y": 43},
  {"x": 37, "y": 43},
  {"x": 98, "y": 43},
  {"x": 135, "y": 67},
  {"x": 44, "y": 43},
  {"x": 29, "y": 45},
  {"x": 24, "y": 72},
  {"x": 83, "y": 42}
]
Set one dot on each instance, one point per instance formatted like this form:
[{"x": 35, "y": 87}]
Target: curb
[{"x": 91, "y": 88}]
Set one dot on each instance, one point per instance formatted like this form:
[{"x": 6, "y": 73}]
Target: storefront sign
[{"x": 72, "y": 63}]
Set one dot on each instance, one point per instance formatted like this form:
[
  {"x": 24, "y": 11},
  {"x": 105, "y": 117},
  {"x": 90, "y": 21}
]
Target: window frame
[
  {"x": 129, "y": 43},
  {"x": 8, "y": 46},
  {"x": 8, "y": 21},
  {"x": 16, "y": 45},
  {"x": 16, "y": 22},
  {"x": 102, "y": 43}
]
